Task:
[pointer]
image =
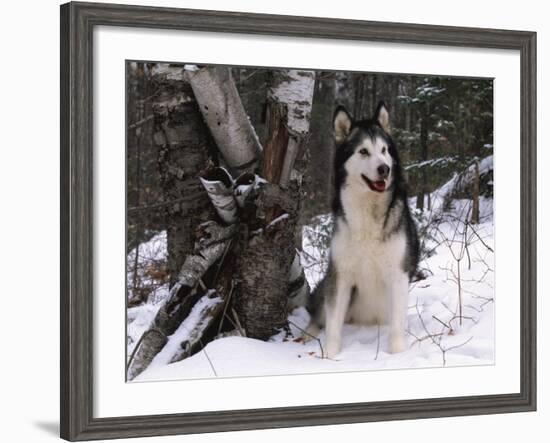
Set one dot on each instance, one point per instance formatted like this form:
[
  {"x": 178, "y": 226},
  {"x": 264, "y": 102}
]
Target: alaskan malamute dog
[{"x": 374, "y": 245}]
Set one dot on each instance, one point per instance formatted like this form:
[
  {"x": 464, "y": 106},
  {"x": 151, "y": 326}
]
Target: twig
[
  {"x": 310, "y": 335},
  {"x": 227, "y": 301},
  {"x": 188, "y": 198},
  {"x": 202, "y": 285},
  {"x": 458, "y": 346},
  {"x": 215, "y": 279},
  {"x": 239, "y": 326},
  {"x": 442, "y": 322},
  {"x": 481, "y": 240},
  {"x": 208, "y": 358},
  {"x": 234, "y": 325},
  {"x": 141, "y": 122}
]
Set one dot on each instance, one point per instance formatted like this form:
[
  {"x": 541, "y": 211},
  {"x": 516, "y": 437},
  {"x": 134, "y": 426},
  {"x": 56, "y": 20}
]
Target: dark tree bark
[
  {"x": 264, "y": 262},
  {"x": 268, "y": 253},
  {"x": 423, "y": 156},
  {"x": 318, "y": 186},
  {"x": 475, "y": 194},
  {"x": 361, "y": 87},
  {"x": 142, "y": 179},
  {"x": 184, "y": 146}
]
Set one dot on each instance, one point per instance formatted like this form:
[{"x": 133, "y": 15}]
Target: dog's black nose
[{"x": 383, "y": 171}]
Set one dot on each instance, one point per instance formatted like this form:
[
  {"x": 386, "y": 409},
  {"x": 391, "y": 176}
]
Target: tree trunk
[
  {"x": 223, "y": 111},
  {"x": 360, "y": 95},
  {"x": 265, "y": 261},
  {"x": 318, "y": 185},
  {"x": 423, "y": 188},
  {"x": 184, "y": 145},
  {"x": 291, "y": 90},
  {"x": 268, "y": 252},
  {"x": 475, "y": 194}
]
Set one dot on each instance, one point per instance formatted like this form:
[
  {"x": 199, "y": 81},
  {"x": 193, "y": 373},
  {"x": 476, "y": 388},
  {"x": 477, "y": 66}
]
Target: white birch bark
[
  {"x": 293, "y": 89},
  {"x": 223, "y": 111},
  {"x": 219, "y": 187}
]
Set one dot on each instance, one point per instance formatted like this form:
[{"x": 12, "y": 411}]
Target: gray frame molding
[{"x": 77, "y": 23}]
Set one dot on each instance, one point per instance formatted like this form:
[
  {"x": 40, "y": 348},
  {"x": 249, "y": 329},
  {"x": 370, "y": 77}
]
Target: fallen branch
[
  {"x": 186, "y": 340},
  {"x": 210, "y": 246}
]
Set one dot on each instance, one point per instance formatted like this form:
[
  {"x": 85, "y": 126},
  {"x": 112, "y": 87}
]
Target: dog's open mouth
[{"x": 379, "y": 186}]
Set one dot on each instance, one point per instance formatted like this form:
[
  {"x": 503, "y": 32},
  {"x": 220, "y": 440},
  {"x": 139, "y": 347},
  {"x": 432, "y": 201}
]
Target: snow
[
  {"x": 138, "y": 319},
  {"x": 191, "y": 68},
  {"x": 438, "y": 197},
  {"x": 435, "y": 336},
  {"x": 152, "y": 254},
  {"x": 440, "y": 161}
]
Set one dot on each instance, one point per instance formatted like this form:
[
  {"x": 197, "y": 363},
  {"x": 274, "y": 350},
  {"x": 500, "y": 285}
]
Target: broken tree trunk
[
  {"x": 290, "y": 98},
  {"x": 223, "y": 111},
  {"x": 265, "y": 265}
]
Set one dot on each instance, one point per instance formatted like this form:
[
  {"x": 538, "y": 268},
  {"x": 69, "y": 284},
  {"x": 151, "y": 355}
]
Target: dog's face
[{"x": 365, "y": 151}]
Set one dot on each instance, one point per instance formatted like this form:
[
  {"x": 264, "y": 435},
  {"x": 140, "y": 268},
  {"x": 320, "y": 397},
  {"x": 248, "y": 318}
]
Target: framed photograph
[{"x": 273, "y": 221}]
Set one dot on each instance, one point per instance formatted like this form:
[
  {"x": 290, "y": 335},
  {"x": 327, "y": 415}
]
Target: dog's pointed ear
[
  {"x": 382, "y": 116},
  {"x": 342, "y": 122}
]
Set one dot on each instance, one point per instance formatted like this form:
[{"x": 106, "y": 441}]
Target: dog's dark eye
[
  {"x": 364, "y": 151},
  {"x": 384, "y": 150}
]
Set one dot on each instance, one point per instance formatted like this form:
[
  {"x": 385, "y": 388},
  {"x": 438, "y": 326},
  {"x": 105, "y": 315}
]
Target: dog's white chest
[{"x": 369, "y": 260}]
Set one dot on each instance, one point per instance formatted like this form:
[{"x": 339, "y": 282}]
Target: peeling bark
[
  {"x": 290, "y": 99},
  {"x": 219, "y": 186}
]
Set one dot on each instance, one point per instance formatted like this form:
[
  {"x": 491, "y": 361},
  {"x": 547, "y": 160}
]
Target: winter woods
[{"x": 229, "y": 189}]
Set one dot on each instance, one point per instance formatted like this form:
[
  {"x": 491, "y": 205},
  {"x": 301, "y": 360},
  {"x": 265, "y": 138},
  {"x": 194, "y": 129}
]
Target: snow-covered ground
[
  {"x": 438, "y": 335},
  {"x": 151, "y": 256}
]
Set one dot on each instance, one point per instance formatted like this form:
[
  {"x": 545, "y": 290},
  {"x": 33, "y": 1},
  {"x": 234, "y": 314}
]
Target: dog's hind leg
[{"x": 336, "y": 307}]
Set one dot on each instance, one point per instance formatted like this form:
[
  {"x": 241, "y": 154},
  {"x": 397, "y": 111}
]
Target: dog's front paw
[
  {"x": 397, "y": 344},
  {"x": 332, "y": 350}
]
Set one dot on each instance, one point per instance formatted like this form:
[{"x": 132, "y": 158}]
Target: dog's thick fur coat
[{"x": 374, "y": 245}]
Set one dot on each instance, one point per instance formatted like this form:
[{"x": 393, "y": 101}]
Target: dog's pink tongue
[{"x": 379, "y": 186}]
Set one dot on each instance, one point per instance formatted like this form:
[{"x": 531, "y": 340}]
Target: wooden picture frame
[{"x": 77, "y": 23}]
